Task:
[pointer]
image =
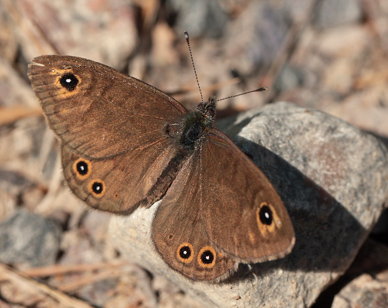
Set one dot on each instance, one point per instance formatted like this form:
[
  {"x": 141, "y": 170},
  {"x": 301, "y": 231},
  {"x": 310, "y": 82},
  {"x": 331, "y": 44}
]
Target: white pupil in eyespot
[
  {"x": 266, "y": 214},
  {"x": 68, "y": 80}
]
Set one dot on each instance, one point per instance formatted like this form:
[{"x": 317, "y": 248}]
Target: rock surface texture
[{"x": 28, "y": 239}]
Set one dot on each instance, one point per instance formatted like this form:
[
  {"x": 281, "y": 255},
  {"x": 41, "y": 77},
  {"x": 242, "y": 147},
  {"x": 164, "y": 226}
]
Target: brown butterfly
[{"x": 126, "y": 144}]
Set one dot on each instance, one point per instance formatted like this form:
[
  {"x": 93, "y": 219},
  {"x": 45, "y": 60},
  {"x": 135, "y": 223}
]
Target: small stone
[
  {"x": 333, "y": 13},
  {"x": 29, "y": 240},
  {"x": 199, "y": 18}
]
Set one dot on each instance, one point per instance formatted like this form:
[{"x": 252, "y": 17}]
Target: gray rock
[
  {"x": 365, "y": 291},
  {"x": 254, "y": 40},
  {"x": 199, "y": 18},
  {"x": 29, "y": 239},
  {"x": 332, "y": 178},
  {"x": 289, "y": 78},
  {"x": 333, "y": 13}
]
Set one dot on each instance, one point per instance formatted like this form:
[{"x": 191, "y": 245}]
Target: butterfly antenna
[
  {"x": 192, "y": 62},
  {"x": 261, "y": 89}
]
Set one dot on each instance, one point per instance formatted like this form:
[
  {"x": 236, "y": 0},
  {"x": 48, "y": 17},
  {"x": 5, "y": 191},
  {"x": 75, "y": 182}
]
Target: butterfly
[{"x": 126, "y": 144}]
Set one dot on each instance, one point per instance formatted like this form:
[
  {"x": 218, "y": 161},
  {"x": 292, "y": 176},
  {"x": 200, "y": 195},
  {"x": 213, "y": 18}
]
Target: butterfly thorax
[
  {"x": 196, "y": 125},
  {"x": 190, "y": 130}
]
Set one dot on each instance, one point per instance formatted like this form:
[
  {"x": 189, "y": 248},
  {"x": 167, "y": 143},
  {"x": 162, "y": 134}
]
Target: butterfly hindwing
[
  {"x": 121, "y": 183},
  {"x": 179, "y": 234}
]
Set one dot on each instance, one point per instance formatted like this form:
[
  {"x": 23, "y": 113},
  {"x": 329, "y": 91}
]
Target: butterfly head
[{"x": 208, "y": 110}]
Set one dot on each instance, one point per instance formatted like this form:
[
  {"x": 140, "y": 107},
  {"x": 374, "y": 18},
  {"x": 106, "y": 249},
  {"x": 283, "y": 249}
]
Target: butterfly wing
[
  {"x": 240, "y": 209},
  {"x": 122, "y": 183},
  {"x": 95, "y": 110},
  {"x": 111, "y": 127},
  {"x": 179, "y": 234}
]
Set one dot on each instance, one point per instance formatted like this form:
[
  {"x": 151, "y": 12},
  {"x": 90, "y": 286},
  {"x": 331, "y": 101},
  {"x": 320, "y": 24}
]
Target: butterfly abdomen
[
  {"x": 188, "y": 133},
  {"x": 164, "y": 181}
]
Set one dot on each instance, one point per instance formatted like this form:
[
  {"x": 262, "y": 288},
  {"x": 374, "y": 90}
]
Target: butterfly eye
[
  {"x": 207, "y": 257},
  {"x": 185, "y": 252},
  {"x": 82, "y": 168},
  {"x": 211, "y": 112},
  {"x": 69, "y": 81},
  {"x": 97, "y": 188}
]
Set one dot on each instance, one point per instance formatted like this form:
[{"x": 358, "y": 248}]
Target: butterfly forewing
[
  {"x": 111, "y": 126},
  {"x": 97, "y": 111},
  {"x": 240, "y": 209}
]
